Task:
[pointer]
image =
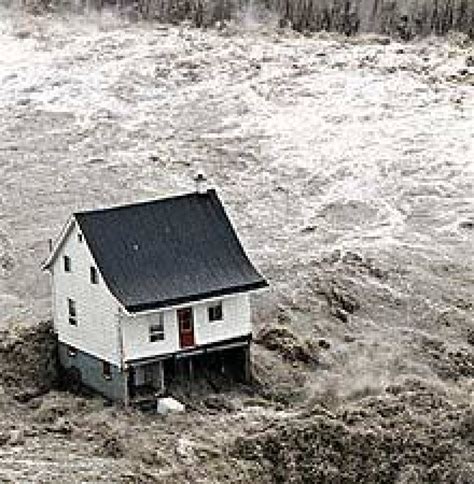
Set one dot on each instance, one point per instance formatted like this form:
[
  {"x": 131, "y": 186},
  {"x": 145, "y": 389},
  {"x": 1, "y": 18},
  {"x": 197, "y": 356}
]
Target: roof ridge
[{"x": 210, "y": 192}]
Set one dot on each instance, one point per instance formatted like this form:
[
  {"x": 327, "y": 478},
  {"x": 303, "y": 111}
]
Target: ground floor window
[
  {"x": 107, "y": 370},
  {"x": 71, "y": 307}
]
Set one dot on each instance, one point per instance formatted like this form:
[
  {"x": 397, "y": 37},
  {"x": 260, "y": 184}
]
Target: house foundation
[
  {"x": 147, "y": 379},
  {"x": 83, "y": 369}
]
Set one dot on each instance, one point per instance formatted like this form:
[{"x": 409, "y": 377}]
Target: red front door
[{"x": 186, "y": 327}]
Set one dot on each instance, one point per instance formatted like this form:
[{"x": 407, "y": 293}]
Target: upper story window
[
  {"x": 157, "y": 329},
  {"x": 94, "y": 275},
  {"x": 67, "y": 263},
  {"x": 71, "y": 306},
  {"x": 79, "y": 236},
  {"x": 215, "y": 312}
]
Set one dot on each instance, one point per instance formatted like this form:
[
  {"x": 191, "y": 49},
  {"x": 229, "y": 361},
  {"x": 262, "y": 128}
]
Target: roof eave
[
  {"x": 157, "y": 305},
  {"x": 65, "y": 231}
]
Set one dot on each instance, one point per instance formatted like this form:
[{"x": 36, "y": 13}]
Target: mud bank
[{"x": 410, "y": 433}]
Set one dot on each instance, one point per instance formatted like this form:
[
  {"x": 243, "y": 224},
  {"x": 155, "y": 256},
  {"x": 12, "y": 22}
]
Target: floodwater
[
  {"x": 346, "y": 166},
  {"x": 314, "y": 143}
]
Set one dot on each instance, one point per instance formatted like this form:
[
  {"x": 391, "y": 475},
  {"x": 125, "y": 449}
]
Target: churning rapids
[
  {"x": 346, "y": 166},
  {"x": 315, "y": 143}
]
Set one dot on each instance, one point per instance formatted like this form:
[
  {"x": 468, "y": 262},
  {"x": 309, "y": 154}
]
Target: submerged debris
[
  {"x": 341, "y": 299},
  {"x": 168, "y": 405},
  {"x": 287, "y": 344}
]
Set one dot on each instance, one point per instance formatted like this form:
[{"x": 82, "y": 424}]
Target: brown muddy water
[{"x": 346, "y": 166}]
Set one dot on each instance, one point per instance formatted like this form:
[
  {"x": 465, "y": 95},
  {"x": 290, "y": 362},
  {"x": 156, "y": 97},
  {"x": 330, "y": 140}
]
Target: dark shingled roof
[{"x": 168, "y": 251}]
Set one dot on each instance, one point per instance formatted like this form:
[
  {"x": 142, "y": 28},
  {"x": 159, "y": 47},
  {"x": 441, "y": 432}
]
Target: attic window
[
  {"x": 107, "y": 370},
  {"x": 157, "y": 330},
  {"x": 94, "y": 275},
  {"x": 79, "y": 237},
  {"x": 67, "y": 263},
  {"x": 215, "y": 312},
  {"x": 71, "y": 305}
]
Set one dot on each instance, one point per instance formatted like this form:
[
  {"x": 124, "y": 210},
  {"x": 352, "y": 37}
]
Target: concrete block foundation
[{"x": 98, "y": 375}]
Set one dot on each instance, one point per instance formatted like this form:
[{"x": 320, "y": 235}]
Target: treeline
[{"x": 403, "y": 18}]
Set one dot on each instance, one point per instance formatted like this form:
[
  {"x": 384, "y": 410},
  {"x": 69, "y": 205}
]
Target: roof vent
[{"x": 201, "y": 183}]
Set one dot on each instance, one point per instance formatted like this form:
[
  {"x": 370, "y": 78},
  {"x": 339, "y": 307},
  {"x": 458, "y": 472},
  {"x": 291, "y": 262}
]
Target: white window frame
[
  {"x": 156, "y": 330},
  {"x": 211, "y": 308}
]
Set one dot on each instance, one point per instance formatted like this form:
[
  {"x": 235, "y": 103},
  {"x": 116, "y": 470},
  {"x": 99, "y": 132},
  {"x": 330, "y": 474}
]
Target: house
[{"x": 142, "y": 290}]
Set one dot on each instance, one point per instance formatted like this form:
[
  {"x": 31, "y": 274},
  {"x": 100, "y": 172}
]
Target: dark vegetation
[
  {"x": 401, "y": 19},
  {"x": 28, "y": 361}
]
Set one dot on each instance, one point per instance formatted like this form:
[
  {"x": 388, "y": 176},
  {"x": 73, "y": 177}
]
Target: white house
[{"x": 139, "y": 289}]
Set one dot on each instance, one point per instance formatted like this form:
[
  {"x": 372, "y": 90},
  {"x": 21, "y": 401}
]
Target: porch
[{"x": 152, "y": 378}]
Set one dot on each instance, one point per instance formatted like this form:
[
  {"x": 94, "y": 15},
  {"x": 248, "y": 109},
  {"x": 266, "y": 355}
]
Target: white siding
[
  {"x": 236, "y": 322},
  {"x": 136, "y": 335},
  {"x": 97, "y": 310}
]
